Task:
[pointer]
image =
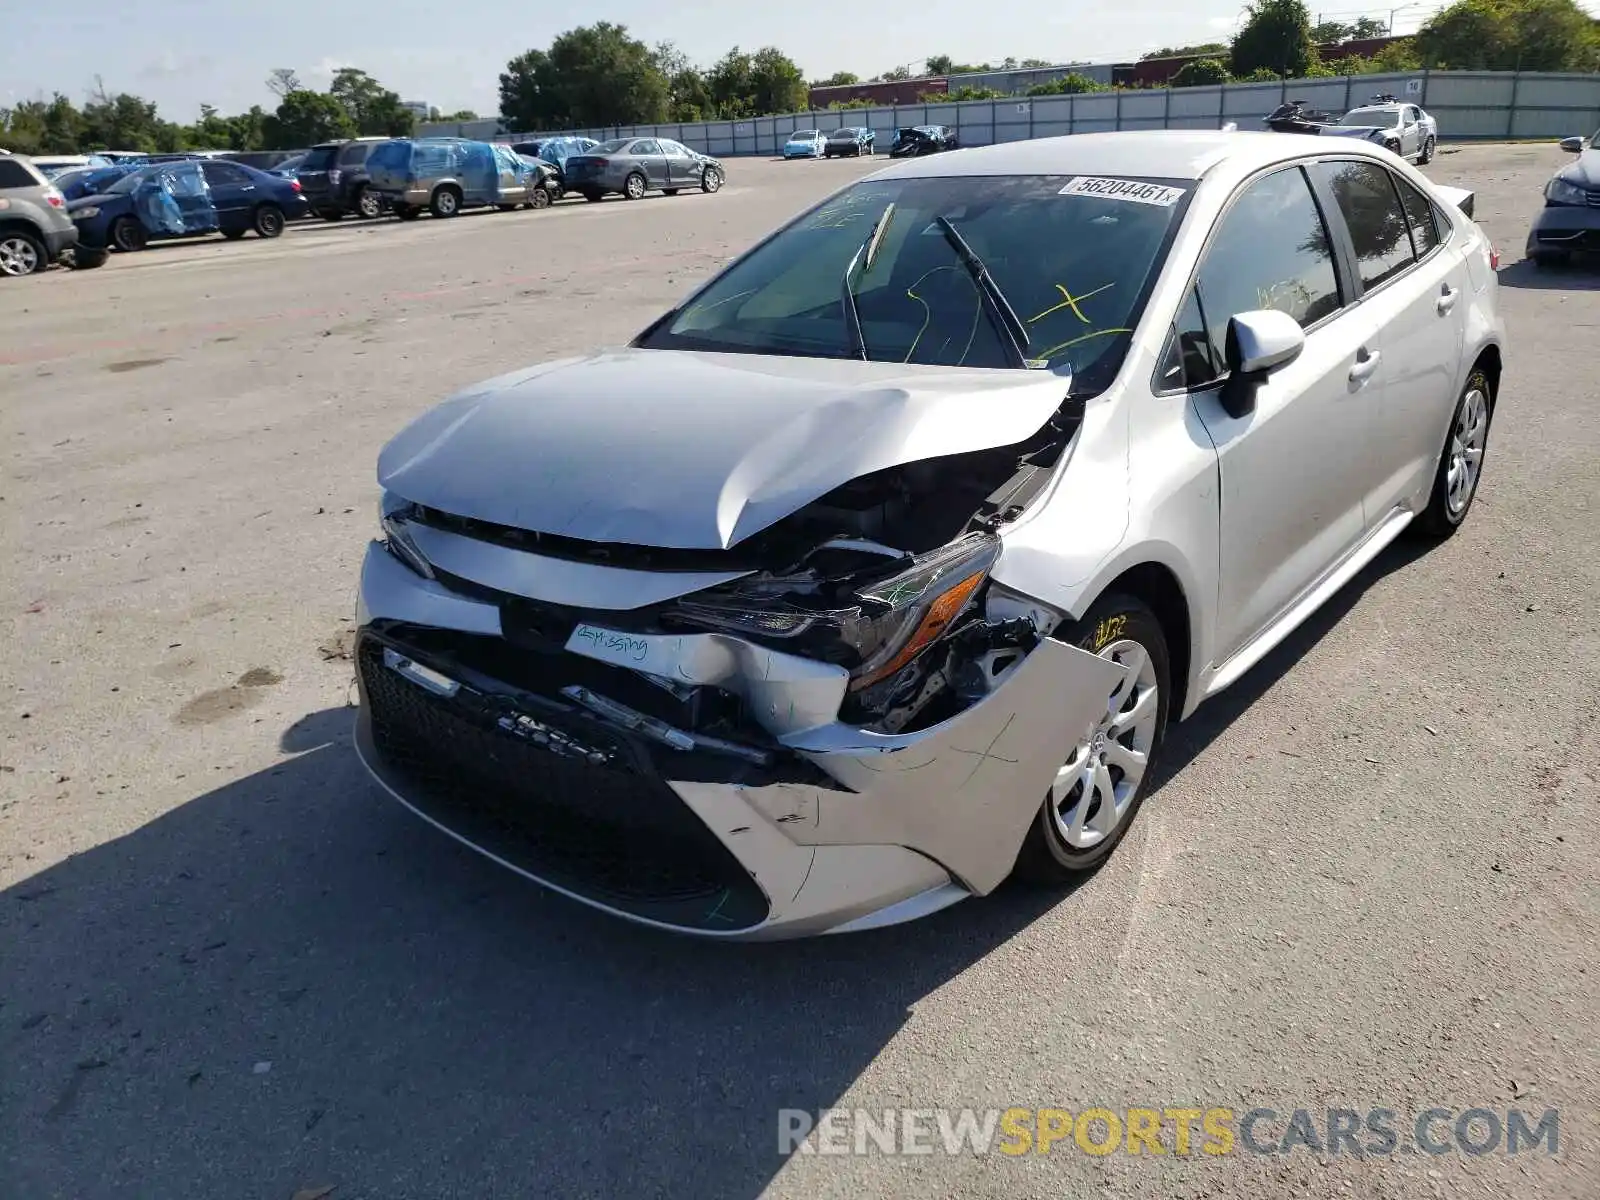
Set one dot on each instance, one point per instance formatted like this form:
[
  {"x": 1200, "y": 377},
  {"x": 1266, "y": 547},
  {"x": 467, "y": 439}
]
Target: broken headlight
[
  {"x": 874, "y": 626},
  {"x": 393, "y": 514}
]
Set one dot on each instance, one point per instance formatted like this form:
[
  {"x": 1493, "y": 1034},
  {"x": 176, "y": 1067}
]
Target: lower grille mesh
[{"x": 615, "y": 832}]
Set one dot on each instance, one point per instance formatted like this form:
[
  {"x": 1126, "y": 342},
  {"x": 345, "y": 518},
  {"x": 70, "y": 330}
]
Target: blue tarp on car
[{"x": 175, "y": 200}]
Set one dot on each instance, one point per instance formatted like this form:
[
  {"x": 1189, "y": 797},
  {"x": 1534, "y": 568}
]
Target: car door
[
  {"x": 1291, "y": 470},
  {"x": 648, "y": 156},
  {"x": 1416, "y": 285},
  {"x": 233, "y": 193},
  {"x": 681, "y": 170}
]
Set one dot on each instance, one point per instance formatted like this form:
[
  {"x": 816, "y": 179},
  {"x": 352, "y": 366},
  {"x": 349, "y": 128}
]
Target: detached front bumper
[
  {"x": 1565, "y": 228},
  {"x": 839, "y": 829}
]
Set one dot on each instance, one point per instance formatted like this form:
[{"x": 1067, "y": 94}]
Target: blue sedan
[{"x": 186, "y": 199}]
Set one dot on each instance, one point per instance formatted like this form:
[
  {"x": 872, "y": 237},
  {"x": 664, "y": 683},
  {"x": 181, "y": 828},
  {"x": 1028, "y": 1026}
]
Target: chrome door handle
[
  {"x": 1366, "y": 363},
  {"x": 1448, "y": 298}
]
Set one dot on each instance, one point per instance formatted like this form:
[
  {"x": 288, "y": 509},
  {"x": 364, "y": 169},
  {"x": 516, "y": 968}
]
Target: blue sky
[{"x": 181, "y": 53}]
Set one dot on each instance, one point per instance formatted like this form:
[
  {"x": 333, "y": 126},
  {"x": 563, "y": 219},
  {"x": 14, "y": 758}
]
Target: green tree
[
  {"x": 842, "y": 79},
  {"x": 594, "y": 75},
  {"x": 1202, "y": 72},
  {"x": 373, "y": 109},
  {"x": 461, "y": 114},
  {"x": 305, "y": 118},
  {"x": 1070, "y": 84},
  {"x": 972, "y": 93},
  {"x": 1365, "y": 28},
  {"x": 41, "y": 127},
  {"x": 1331, "y": 33},
  {"x": 896, "y": 74},
  {"x": 119, "y": 121},
  {"x": 756, "y": 85},
  {"x": 1510, "y": 35},
  {"x": 1276, "y": 36},
  {"x": 1209, "y": 49}
]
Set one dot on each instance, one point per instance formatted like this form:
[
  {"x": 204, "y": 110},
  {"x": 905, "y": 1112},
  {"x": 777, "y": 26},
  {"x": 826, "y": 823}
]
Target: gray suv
[{"x": 34, "y": 226}]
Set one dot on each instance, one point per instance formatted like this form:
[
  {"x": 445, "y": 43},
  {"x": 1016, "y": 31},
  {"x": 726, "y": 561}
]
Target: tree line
[
  {"x": 355, "y": 104},
  {"x": 600, "y": 75}
]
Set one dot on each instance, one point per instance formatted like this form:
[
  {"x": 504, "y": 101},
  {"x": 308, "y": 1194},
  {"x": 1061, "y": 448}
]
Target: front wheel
[
  {"x": 710, "y": 180},
  {"x": 1461, "y": 463},
  {"x": 1426, "y": 157},
  {"x": 269, "y": 221},
  {"x": 539, "y": 198},
  {"x": 128, "y": 235},
  {"x": 1104, "y": 779}
]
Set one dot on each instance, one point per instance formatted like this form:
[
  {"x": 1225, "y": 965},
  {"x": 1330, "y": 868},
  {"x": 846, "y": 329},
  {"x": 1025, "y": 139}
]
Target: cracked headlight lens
[{"x": 393, "y": 514}]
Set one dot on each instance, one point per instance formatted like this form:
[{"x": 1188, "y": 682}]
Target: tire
[
  {"x": 1120, "y": 627},
  {"x": 127, "y": 234},
  {"x": 711, "y": 180},
  {"x": 87, "y": 258},
  {"x": 555, "y": 191},
  {"x": 1455, "y": 483},
  {"x": 331, "y": 214},
  {"x": 1426, "y": 156},
  {"x": 539, "y": 198},
  {"x": 369, "y": 204},
  {"x": 446, "y": 202},
  {"x": 269, "y": 221},
  {"x": 22, "y": 253},
  {"x": 233, "y": 235},
  {"x": 634, "y": 187},
  {"x": 407, "y": 213}
]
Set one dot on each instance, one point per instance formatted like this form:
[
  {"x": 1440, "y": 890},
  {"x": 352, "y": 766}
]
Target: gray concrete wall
[{"x": 1468, "y": 104}]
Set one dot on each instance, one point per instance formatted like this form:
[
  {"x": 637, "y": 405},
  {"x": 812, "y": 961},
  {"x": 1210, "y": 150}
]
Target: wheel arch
[
  {"x": 1158, "y": 585},
  {"x": 1489, "y": 360}
]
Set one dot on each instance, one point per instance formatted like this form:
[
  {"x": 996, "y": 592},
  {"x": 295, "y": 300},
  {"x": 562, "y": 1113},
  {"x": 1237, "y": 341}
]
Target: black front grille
[{"x": 610, "y": 830}]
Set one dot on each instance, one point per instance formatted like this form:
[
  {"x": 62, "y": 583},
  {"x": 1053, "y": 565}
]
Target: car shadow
[
  {"x": 288, "y": 982},
  {"x": 1580, "y": 275}
]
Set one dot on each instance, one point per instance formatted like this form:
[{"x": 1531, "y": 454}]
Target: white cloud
[{"x": 1223, "y": 22}]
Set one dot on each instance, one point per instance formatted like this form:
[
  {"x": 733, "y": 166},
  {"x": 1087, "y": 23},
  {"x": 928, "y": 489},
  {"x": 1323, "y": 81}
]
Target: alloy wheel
[
  {"x": 1096, "y": 785},
  {"x": 368, "y": 204},
  {"x": 1467, "y": 442},
  {"x": 18, "y": 256}
]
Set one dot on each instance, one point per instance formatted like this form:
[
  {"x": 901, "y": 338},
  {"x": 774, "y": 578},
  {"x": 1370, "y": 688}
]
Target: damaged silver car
[{"x": 873, "y": 572}]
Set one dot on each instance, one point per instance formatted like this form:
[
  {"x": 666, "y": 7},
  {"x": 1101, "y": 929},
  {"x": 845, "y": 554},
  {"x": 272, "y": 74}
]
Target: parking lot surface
[{"x": 231, "y": 968}]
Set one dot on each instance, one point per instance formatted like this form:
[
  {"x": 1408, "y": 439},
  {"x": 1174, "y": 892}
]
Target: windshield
[
  {"x": 129, "y": 182},
  {"x": 1073, "y": 256},
  {"x": 1368, "y": 116},
  {"x": 613, "y": 146},
  {"x": 843, "y": 133},
  {"x": 802, "y": 135}
]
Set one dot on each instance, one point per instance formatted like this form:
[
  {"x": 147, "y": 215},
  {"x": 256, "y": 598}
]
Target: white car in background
[
  {"x": 875, "y": 569},
  {"x": 1401, "y": 128}
]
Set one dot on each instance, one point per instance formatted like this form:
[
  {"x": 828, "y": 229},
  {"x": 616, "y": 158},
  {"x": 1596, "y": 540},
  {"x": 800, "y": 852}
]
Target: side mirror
[
  {"x": 1259, "y": 343},
  {"x": 1572, "y": 145}
]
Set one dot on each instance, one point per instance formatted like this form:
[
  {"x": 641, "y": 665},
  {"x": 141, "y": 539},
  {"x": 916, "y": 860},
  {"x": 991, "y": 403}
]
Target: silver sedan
[
  {"x": 948, "y": 499},
  {"x": 635, "y": 166}
]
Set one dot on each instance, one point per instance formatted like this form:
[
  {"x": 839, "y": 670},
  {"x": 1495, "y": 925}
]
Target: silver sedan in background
[
  {"x": 875, "y": 570},
  {"x": 634, "y": 166}
]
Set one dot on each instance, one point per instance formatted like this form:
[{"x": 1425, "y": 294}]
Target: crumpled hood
[
  {"x": 688, "y": 450},
  {"x": 1355, "y": 131},
  {"x": 1585, "y": 172}
]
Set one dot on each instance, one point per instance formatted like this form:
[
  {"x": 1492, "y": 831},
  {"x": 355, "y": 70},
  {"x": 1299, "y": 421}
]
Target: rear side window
[
  {"x": 1366, "y": 196},
  {"x": 1421, "y": 218},
  {"x": 14, "y": 175},
  {"x": 646, "y": 147},
  {"x": 320, "y": 159},
  {"x": 390, "y": 156},
  {"x": 224, "y": 173},
  {"x": 1270, "y": 250},
  {"x": 355, "y": 153}
]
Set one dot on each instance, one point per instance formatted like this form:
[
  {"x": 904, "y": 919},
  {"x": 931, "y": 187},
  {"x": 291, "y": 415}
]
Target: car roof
[{"x": 1150, "y": 153}]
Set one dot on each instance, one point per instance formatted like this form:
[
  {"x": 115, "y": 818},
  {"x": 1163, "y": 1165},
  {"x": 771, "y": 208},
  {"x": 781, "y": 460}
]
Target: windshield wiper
[
  {"x": 1011, "y": 324},
  {"x": 847, "y": 293}
]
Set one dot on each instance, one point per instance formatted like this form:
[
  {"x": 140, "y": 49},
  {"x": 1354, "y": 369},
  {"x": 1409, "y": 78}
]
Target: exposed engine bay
[{"x": 885, "y": 577}]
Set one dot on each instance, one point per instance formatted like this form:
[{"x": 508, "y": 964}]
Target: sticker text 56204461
[{"x": 1135, "y": 190}]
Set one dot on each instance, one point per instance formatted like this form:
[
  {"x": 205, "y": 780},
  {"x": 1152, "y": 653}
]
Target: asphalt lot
[{"x": 230, "y": 968}]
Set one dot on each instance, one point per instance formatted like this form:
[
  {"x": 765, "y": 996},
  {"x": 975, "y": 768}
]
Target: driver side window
[{"x": 1270, "y": 250}]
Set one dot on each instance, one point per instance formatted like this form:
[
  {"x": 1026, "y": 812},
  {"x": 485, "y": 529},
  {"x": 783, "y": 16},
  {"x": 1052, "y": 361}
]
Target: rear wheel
[
  {"x": 128, "y": 235},
  {"x": 368, "y": 203},
  {"x": 634, "y": 186},
  {"x": 1461, "y": 463},
  {"x": 446, "y": 202},
  {"x": 539, "y": 198},
  {"x": 269, "y": 221},
  {"x": 21, "y": 253},
  {"x": 1104, "y": 778},
  {"x": 1426, "y": 156}
]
